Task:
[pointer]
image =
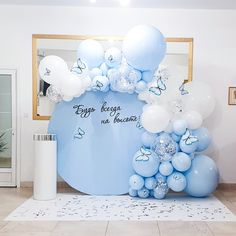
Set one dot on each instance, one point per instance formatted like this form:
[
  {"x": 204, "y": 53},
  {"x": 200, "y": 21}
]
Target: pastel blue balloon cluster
[
  {"x": 174, "y": 161},
  {"x": 125, "y": 71}
]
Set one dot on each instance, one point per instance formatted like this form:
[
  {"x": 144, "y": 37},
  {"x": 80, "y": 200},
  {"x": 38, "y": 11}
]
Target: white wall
[{"x": 214, "y": 34}]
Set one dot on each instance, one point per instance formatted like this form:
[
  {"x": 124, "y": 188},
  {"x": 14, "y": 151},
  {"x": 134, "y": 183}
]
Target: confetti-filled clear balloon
[{"x": 54, "y": 94}]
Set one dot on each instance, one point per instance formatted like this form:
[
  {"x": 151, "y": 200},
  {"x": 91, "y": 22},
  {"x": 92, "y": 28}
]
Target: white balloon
[
  {"x": 193, "y": 119},
  {"x": 67, "y": 98},
  {"x": 155, "y": 118},
  {"x": 86, "y": 82},
  {"x": 72, "y": 86},
  {"x": 53, "y": 69},
  {"x": 199, "y": 98}
]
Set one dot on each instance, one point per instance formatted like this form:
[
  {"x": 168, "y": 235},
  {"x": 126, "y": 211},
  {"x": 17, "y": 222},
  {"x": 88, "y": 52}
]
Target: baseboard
[
  {"x": 29, "y": 184},
  {"x": 60, "y": 184}
]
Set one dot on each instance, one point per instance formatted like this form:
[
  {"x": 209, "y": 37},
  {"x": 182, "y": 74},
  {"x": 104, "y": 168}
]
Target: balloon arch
[{"x": 172, "y": 137}]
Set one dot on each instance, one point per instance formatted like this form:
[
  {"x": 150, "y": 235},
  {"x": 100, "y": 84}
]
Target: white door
[{"x": 7, "y": 128}]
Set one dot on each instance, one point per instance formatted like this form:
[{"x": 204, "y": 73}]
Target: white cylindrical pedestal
[{"x": 45, "y": 167}]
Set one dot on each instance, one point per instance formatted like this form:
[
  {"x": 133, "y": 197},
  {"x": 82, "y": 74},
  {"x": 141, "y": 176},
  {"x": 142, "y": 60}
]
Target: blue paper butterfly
[
  {"x": 183, "y": 90},
  {"x": 80, "y": 133},
  {"x": 188, "y": 138},
  {"x": 138, "y": 125},
  {"x": 110, "y": 58},
  {"x": 98, "y": 86},
  {"x": 48, "y": 72},
  {"x": 79, "y": 67},
  {"x": 144, "y": 156},
  {"x": 159, "y": 88}
]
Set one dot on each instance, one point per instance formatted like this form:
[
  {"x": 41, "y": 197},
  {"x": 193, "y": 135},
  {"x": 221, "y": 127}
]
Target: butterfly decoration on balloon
[{"x": 172, "y": 116}]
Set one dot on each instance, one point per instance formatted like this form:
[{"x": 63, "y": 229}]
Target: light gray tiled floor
[{"x": 11, "y": 198}]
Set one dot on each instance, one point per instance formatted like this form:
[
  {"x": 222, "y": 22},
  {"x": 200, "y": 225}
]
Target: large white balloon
[
  {"x": 72, "y": 86},
  {"x": 53, "y": 69},
  {"x": 199, "y": 97},
  {"x": 155, "y": 118},
  {"x": 193, "y": 119}
]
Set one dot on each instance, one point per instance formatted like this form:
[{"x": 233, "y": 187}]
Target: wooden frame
[
  {"x": 83, "y": 37},
  {"x": 230, "y": 90}
]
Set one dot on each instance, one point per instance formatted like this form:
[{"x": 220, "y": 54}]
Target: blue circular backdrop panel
[{"x": 98, "y": 134}]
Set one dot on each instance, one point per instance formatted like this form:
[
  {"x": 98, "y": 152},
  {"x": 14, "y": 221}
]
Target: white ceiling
[{"x": 171, "y": 4}]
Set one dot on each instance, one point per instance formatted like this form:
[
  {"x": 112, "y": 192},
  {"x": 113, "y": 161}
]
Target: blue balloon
[
  {"x": 91, "y": 52},
  {"x": 147, "y": 76},
  {"x": 175, "y": 137},
  {"x": 160, "y": 178},
  {"x": 204, "y": 138},
  {"x": 145, "y": 162},
  {"x": 100, "y": 83},
  {"x": 140, "y": 86},
  {"x": 180, "y": 127},
  {"x": 165, "y": 147},
  {"x": 176, "y": 181},
  {"x": 181, "y": 161},
  {"x": 166, "y": 168},
  {"x": 150, "y": 183},
  {"x": 143, "y": 193},
  {"x": 113, "y": 57},
  {"x": 159, "y": 195},
  {"x": 144, "y": 47},
  {"x": 133, "y": 192},
  {"x": 136, "y": 182},
  {"x": 95, "y": 72},
  {"x": 148, "y": 139},
  {"x": 188, "y": 143},
  {"x": 202, "y": 178}
]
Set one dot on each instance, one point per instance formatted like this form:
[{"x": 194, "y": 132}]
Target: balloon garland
[{"x": 172, "y": 145}]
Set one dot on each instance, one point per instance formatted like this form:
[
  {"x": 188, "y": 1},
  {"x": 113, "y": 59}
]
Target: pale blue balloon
[
  {"x": 180, "y": 127},
  {"x": 202, "y": 178},
  {"x": 150, "y": 183},
  {"x": 175, "y": 137},
  {"x": 181, "y": 161},
  {"x": 159, "y": 195},
  {"x": 136, "y": 182},
  {"x": 91, "y": 52},
  {"x": 160, "y": 178},
  {"x": 188, "y": 148},
  {"x": 145, "y": 162},
  {"x": 100, "y": 83},
  {"x": 166, "y": 168},
  {"x": 133, "y": 192},
  {"x": 143, "y": 193},
  {"x": 147, "y": 76},
  {"x": 176, "y": 181},
  {"x": 141, "y": 86},
  {"x": 148, "y": 139},
  {"x": 113, "y": 57},
  {"x": 95, "y": 72},
  {"x": 144, "y": 47},
  {"x": 204, "y": 138}
]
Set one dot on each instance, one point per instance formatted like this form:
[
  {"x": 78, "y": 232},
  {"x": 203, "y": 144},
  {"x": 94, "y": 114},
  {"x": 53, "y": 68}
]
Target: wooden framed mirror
[{"x": 179, "y": 52}]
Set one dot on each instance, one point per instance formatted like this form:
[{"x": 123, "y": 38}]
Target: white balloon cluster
[
  {"x": 169, "y": 99},
  {"x": 65, "y": 83}
]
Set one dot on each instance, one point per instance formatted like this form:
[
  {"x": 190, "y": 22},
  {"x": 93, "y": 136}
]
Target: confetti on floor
[{"x": 72, "y": 207}]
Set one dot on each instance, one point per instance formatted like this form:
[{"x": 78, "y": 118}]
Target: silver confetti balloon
[{"x": 54, "y": 94}]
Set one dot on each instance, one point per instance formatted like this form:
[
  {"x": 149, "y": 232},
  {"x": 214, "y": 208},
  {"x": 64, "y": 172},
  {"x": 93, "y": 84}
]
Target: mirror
[{"x": 179, "y": 52}]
